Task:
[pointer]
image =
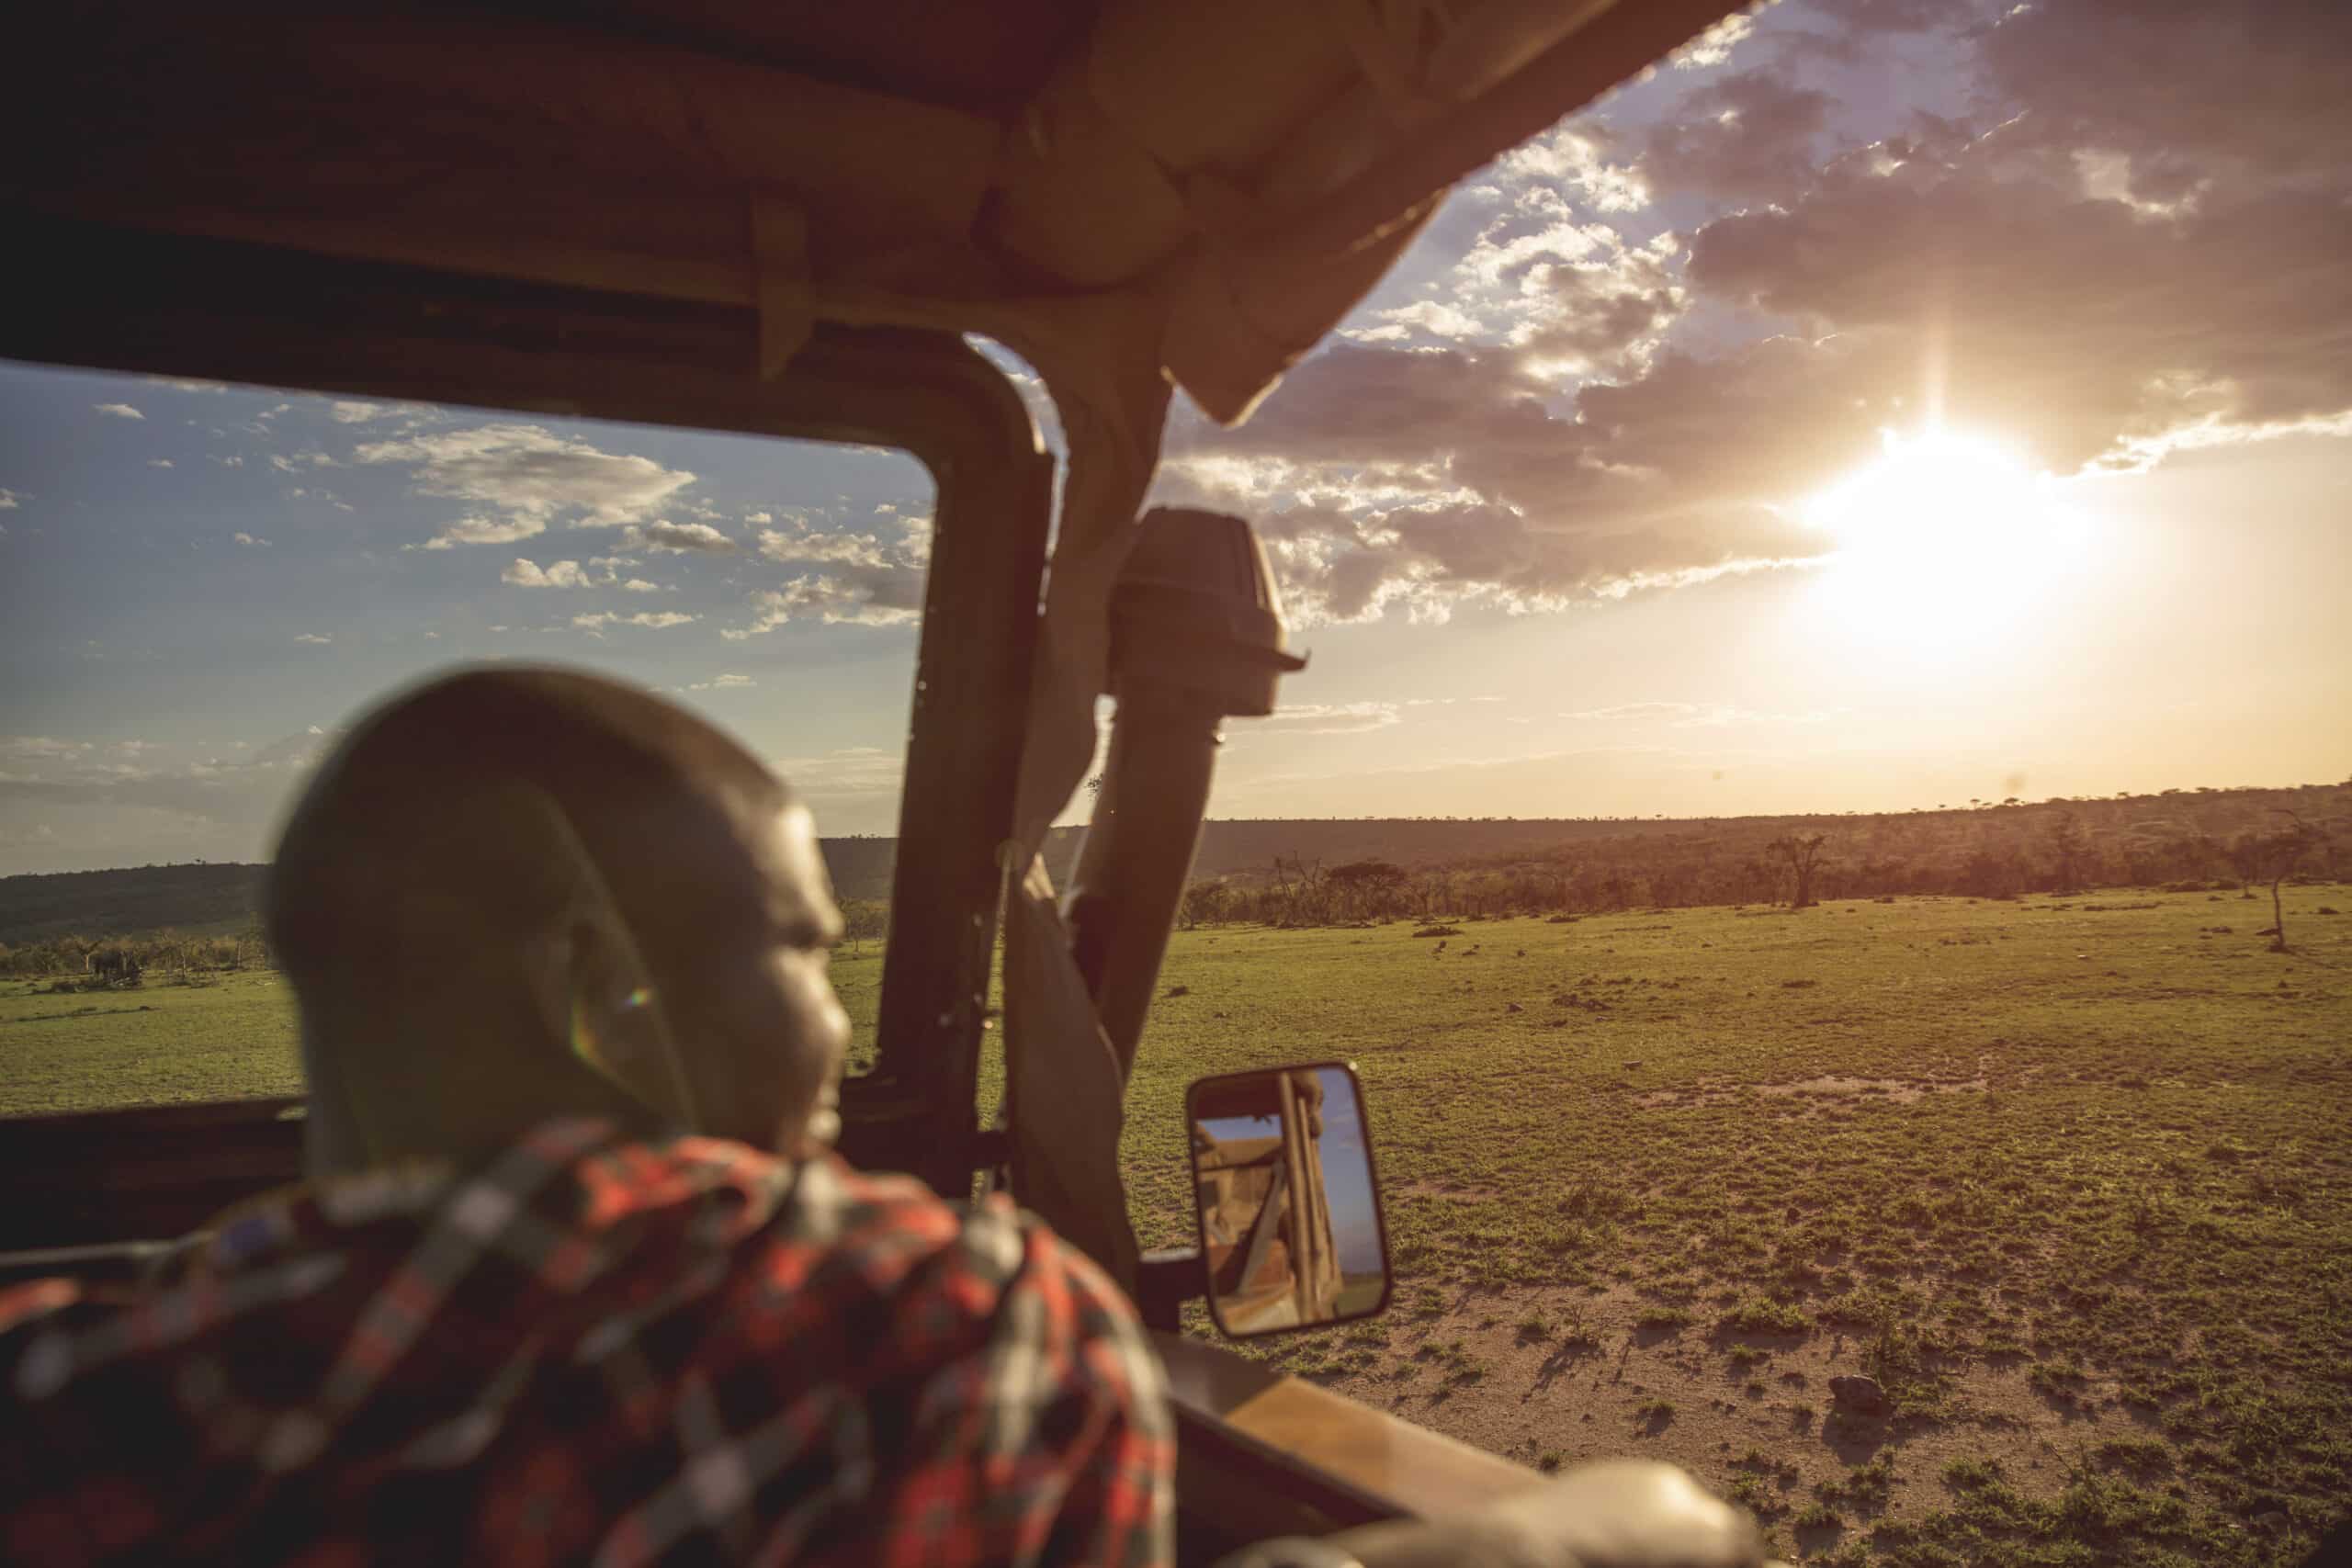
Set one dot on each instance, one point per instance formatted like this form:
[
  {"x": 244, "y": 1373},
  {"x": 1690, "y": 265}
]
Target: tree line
[
  {"x": 1996, "y": 851},
  {"x": 122, "y": 959}
]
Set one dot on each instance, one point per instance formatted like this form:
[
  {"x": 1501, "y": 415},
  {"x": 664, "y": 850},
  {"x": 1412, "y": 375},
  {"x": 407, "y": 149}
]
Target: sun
[{"x": 1942, "y": 543}]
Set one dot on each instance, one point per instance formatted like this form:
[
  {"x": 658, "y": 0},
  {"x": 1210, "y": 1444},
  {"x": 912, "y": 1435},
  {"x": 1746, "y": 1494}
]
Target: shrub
[{"x": 1756, "y": 1315}]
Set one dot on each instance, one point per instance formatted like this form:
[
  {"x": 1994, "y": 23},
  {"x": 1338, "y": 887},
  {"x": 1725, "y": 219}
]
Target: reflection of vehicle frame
[{"x": 1372, "y": 1163}]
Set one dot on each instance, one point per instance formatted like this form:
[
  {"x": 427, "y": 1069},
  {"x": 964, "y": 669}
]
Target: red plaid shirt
[{"x": 592, "y": 1349}]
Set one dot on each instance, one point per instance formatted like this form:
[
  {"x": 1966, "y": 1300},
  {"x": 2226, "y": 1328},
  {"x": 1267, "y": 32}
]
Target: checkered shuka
[{"x": 592, "y": 1349}]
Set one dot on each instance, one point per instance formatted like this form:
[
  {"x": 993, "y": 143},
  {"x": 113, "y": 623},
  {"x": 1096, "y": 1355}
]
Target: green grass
[
  {"x": 2074, "y": 1185},
  {"x": 151, "y": 1044},
  {"x": 2084, "y": 1180},
  {"x": 224, "y": 1037}
]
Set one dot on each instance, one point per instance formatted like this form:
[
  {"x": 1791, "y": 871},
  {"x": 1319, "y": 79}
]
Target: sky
[{"x": 1884, "y": 404}]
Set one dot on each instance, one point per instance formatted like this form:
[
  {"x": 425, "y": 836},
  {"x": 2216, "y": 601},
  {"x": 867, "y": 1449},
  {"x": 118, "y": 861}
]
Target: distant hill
[
  {"x": 201, "y": 900},
  {"x": 222, "y": 899},
  {"x": 861, "y": 867}
]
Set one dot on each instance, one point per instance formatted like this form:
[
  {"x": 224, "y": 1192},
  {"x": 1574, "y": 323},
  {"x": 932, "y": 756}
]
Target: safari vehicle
[{"x": 785, "y": 221}]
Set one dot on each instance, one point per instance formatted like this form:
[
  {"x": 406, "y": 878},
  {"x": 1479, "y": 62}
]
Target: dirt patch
[
  {"x": 1894, "y": 1091},
  {"x": 1684, "y": 1099},
  {"x": 1448, "y": 1191},
  {"x": 1606, "y": 1389},
  {"x": 1829, "y": 1088}
]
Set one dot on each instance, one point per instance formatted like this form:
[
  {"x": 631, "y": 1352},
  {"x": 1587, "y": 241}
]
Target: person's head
[{"x": 511, "y": 894}]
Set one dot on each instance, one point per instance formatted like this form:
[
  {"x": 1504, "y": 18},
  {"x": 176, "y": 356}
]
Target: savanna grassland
[
  {"x": 2070, "y": 1178},
  {"x": 223, "y": 1037}
]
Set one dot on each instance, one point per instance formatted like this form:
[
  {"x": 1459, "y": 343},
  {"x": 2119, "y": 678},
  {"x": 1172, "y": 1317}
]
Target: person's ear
[{"x": 616, "y": 1022}]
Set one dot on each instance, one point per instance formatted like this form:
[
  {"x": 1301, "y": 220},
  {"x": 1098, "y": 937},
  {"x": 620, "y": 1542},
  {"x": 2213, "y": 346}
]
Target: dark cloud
[
  {"x": 1848, "y": 32},
  {"x": 1384, "y": 407},
  {"x": 1602, "y": 316},
  {"x": 2072, "y": 323},
  {"x": 2139, "y": 243},
  {"x": 1749, "y": 137},
  {"x": 2251, "y": 91},
  {"x": 845, "y": 594}
]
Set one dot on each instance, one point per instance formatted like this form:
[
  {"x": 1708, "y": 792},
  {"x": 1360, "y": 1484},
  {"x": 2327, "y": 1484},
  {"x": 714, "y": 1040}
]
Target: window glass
[{"x": 201, "y": 584}]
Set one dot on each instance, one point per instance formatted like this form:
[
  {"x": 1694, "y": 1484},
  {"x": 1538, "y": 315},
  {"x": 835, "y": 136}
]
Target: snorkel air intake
[{"x": 1196, "y": 637}]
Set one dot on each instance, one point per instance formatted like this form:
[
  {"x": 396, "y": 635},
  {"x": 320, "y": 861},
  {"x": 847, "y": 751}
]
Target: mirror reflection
[{"x": 1290, "y": 1223}]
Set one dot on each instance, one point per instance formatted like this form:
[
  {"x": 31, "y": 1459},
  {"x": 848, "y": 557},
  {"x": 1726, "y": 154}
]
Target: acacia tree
[
  {"x": 1366, "y": 887},
  {"x": 2275, "y": 855},
  {"x": 1803, "y": 853}
]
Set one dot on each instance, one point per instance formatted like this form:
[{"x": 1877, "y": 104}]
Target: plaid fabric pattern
[{"x": 592, "y": 1351}]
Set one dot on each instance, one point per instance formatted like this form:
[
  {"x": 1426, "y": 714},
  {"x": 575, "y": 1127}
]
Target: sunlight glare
[{"x": 1942, "y": 543}]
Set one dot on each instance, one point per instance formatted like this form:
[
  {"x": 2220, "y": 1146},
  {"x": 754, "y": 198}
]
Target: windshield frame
[{"x": 122, "y": 299}]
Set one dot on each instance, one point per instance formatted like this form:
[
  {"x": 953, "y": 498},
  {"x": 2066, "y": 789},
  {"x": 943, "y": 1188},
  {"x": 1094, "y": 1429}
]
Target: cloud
[
  {"x": 722, "y": 683},
  {"x": 349, "y": 413},
  {"x": 313, "y": 639},
  {"x": 1748, "y": 136},
  {"x": 1714, "y": 46},
  {"x": 39, "y": 748},
  {"x": 10, "y": 500},
  {"x": 1696, "y": 715},
  {"x": 119, "y": 410},
  {"x": 1422, "y": 480},
  {"x": 230, "y": 462},
  {"x": 2192, "y": 96},
  {"x": 1439, "y": 319},
  {"x": 2076, "y": 326},
  {"x": 167, "y": 796},
  {"x": 848, "y": 773},
  {"x": 561, "y": 575},
  {"x": 759, "y": 519},
  {"x": 1325, "y": 718},
  {"x": 1865, "y": 22},
  {"x": 1635, "y": 711},
  {"x": 654, "y": 618},
  {"x": 675, "y": 539},
  {"x": 801, "y": 545},
  {"x": 159, "y": 462},
  {"x": 249, "y": 539},
  {"x": 186, "y": 386},
  {"x": 883, "y": 596},
  {"x": 527, "y": 477},
  {"x": 602, "y": 571},
  {"x": 914, "y": 542},
  {"x": 485, "y": 531},
  {"x": 2093, "y": 279},
  {"x": 1573, "y": 162},
  {"x": 1606, "y": 314}
]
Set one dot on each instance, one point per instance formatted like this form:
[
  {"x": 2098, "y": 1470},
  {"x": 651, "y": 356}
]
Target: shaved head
[{"x": 518, "y": 893}]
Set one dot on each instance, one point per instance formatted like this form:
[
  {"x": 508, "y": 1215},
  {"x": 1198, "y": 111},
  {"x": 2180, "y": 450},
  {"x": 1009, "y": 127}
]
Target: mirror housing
[{"x": 1286, "y": 1199}]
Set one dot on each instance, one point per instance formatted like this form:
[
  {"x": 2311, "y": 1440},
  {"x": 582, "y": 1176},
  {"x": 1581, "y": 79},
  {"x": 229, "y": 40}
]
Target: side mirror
[{"x": 1290, "y": 1223}]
